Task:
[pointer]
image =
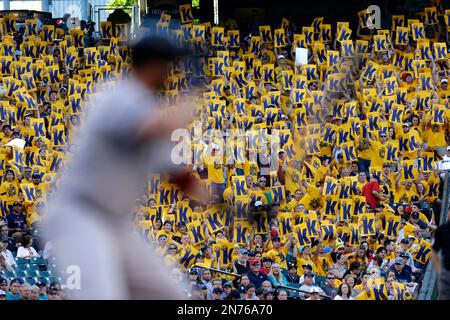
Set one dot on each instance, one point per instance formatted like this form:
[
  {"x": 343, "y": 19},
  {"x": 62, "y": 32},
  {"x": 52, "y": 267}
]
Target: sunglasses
[
  {"x": 331, "y": 278},
  {"x": 383, "y": 136}
]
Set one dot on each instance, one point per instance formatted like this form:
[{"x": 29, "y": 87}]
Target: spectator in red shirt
[{"x": 371, "y": 190}]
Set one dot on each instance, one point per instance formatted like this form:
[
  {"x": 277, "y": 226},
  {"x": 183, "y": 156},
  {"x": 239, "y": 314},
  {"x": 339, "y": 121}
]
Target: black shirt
[
  {"x": 241, "y": 269},
  {"x": 290, "y": 278},
  {"x": 441, "y": 241}
]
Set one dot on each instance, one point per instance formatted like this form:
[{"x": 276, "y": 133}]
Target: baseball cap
[
  {"x": 398, "y": 260},
  {"x": 4, "y": 239},
  {"x": 314, "y": 289},
  {"x": 267, "y": 291},
  {"x": 193, "y": 271},
  {"x": 156, "y": 47},
  {"x": 264, "y": 259},
  {"x": 41, "y": 284},
  {"x": 228, "y": 284},
  {"x": 309, "y": 273},
  {"x": 301, "y": 249},
  {"x": 217, "y": 290},
  {"x": 307, "y": 265},
  {"x": 17, "y": 280},
  {"x": 254, "y": 261},
  {"x": 327, "y": 249},
  {"x": 235, "y": 294},
  {"x": 243, "y": 251},
  {"x": 280, "y": 57},
  {"x": 36, "y": 175},
  {"x": 444, "y": 80},
  {"x": 251, "y": 253},
  {"x": 276, "y": 238},
  {"x": 3, "y": 281},
  {"x": 258, "y": 203},
  {"x": 242, "y": 289},
  {"x": 404, "y": 241},
  {"x": 2, "y": 293},
  {"x": 414, "y": 215},
  {"x": 448, "y": 148}
]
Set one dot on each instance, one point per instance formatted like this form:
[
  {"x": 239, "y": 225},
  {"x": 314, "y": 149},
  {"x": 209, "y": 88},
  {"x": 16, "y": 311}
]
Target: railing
[
  {"x": 429, "y": 291},
  {"x": 277, "y": 287}
]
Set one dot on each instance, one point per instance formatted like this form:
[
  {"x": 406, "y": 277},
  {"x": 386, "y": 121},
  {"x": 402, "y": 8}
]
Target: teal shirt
[{"x": 9, "y": 296}]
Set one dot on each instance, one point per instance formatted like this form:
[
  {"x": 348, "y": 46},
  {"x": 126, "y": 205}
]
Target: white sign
[
  {"x": 444, "y": 165},
  {"x": 301, "y": 56},
  {"x": 16, "y": 143}
]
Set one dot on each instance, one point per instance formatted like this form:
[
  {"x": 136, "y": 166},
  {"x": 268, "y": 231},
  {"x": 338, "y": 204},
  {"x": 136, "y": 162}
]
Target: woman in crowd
[
  {"x": 344, "y": 292},
  {"x": 26, "y": 251},
  {"x": 275, "y": 276}
]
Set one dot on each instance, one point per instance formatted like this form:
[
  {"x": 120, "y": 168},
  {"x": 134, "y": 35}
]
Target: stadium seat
[
  {"x": 32, "y": 273},
  {"x": 53, "y": 269},
  {"x": 42, "y": 279},
  {"x": 319, "y": 280},
  {"x": 33, "y": 267},
  {"x": 21, "y": 274},
  {"x": 45, "y": 273},
  {"x": 20, "y": 261},
  {"x": 31, "y": 280},
  {"x": 53, "y": 279},
  {"x": 37, "y": 261},
  {"x": 9, "y": 274},
  {"x": 22, "y": 267}
]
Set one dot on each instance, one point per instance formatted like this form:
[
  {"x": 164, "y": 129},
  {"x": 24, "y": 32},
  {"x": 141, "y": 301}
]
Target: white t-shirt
[
  {"x": 338, "y": 297},
  {"x": 27, "y": 253},
  {"x": 444, "y": 164},
  {"x": 9, "y": 258}
]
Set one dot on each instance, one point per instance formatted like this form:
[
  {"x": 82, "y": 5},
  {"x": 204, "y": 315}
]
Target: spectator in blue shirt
[
  {"x": 14, "y": 289},
  {"x": 255, "y": 276},
  {"x": 42, "y": 291},
  {"x": 402, "y": 274},
  {"x": 17, "y": 221}
]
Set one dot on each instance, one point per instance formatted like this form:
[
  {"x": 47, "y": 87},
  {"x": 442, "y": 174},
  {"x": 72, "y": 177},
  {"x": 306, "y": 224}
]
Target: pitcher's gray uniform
[{"x": 88, "y": 221}]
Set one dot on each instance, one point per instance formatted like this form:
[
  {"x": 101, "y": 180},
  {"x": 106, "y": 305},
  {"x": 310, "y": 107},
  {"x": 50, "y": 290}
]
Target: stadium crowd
[{"x": 344, "y": 208}]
